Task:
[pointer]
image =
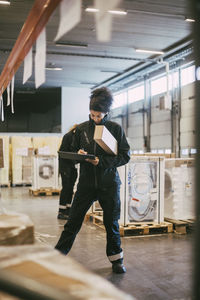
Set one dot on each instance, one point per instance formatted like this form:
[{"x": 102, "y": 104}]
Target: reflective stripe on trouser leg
[
  {"x": 116, "y": 256},
  {"x": 62, "y": 206}
]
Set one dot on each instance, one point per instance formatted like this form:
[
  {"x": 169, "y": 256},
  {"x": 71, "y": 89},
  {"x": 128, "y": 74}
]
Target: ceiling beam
[{"x": 34, "y": 24}]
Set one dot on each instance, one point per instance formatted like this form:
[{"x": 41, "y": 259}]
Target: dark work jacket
[
  {"x": 65, "y": 164},
  {"x": 105, "y": 173}
]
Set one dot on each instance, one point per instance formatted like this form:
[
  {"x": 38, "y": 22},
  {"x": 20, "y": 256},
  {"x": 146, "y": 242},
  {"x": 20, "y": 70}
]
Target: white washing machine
[
  {"x": 179, "y": 188},
  {"x": 144, "y": 192},
  {"x": 45, "y": 172}
]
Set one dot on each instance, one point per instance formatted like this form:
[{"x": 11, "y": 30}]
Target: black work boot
[
  {"x": 62, "y": 215},
  {"x": 118, "y": 267}
]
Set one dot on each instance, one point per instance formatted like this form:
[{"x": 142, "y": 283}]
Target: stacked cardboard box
[{"x": 105, "y": 139}]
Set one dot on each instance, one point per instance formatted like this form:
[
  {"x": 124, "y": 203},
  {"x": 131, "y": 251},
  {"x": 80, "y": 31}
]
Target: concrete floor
[{"x": 158, "y": 267}]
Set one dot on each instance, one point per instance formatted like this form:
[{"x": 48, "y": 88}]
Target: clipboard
[{"x": 75, "y": 156}]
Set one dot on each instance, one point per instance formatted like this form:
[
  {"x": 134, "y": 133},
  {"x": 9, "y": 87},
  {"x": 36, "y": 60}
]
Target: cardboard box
[
  {"x": 51, "y": 269},
  {"x": 177, "y": 162},
  {"x": 105, "y": 139},
  {"x": 16, "y": 229}
]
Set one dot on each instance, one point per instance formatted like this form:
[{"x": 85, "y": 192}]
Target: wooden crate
[
  {"x": 182, "y": 226},
  {"x": 135, "y": 228}
]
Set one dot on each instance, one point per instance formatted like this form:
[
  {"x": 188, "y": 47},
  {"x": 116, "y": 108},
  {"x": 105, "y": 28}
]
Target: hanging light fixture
[{"x": 4, "y": 2}]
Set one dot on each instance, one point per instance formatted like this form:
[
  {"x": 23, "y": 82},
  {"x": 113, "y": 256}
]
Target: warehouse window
[
  {"x": 187, "y": 75},
  {"x": 119, "y": 100},
  {"x": 159, "y": 86},
  {"x": 136, "y": 94}
]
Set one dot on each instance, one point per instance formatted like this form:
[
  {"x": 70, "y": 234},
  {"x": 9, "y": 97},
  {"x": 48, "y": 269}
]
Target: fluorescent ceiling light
[
  {"x": 73, "y": 45},
  {"x": 118, "y": 12},
  {"x": 53, "y": 68},
  {"x": 91, "y": 9},
  {"x": 109, "y": 71},
  {"x": 149, "y": 51},
  {"x": 115, "y": 12},
  {"x": 88, "y": 83},
  {"x": 5, "y": 2},
  {"x": 189, "y": 20}
]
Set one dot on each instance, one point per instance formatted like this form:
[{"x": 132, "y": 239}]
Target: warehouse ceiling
[{"x": 148, "y": 24}]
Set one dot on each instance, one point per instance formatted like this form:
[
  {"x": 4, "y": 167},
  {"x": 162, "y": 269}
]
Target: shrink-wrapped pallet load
[
  {"x": 48, "y": 145},
  {"x": 51, "y": 269},
  {"x": 179, "y": 188},
  {"x": 15, "y": 229},
  {"x": 4, "y": 169},
  {"x": 27, "y": 166},
  {"x": 20, "y": 146}
]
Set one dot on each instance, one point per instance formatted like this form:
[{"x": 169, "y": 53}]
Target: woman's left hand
[{"x": 93, "y": 161}]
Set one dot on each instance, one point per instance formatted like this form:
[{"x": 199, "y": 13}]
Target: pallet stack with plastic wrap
[
  {"x": 4, "y": 171},
  {"x": 20, "y": 148},
  {"x": 180, "y": 193}
]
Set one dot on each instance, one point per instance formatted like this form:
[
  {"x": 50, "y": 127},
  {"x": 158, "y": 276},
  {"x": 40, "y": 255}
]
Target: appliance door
[{"x": 143, "y": 190}]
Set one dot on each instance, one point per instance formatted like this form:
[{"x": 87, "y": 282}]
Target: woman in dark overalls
[{"x": 99, "y": 179}]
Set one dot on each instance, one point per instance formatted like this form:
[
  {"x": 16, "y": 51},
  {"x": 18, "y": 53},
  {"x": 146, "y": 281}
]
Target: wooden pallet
[
  {"x": 135, "y": 228},
  {"x": 20, "y": 184},
  {"x": 182, "y": 226},
  {"x": 5, "y": 185},
  {"x": 44, "y": 192}
]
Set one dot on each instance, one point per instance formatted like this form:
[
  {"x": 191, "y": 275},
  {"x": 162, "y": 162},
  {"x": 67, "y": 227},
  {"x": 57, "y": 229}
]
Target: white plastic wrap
[
  {"x": 49, "y": 267},
  {"x": 15, "y": 229},
  {"x": 179, "y": 188}
]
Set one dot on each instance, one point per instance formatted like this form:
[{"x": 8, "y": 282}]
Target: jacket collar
[{"x": 103, "y": 121}]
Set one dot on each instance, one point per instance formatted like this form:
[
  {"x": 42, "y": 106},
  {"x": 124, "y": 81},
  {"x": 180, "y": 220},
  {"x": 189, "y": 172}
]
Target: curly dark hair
[{"x": 101, "y": 100}]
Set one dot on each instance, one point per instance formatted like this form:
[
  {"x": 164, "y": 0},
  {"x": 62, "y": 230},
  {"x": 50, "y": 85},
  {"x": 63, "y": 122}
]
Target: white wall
[
  {"x": 75, "y": 106},
  {"x": 187, "y": 122}
]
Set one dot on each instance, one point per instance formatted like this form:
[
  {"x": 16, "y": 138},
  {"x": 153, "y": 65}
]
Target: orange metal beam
[{"x": 35, "y": 22}]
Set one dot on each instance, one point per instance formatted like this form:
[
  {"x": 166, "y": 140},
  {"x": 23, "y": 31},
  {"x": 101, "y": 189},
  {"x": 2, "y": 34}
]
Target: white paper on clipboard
[
  {"x": 40, "y": 59},
  {"x": 70, "y": 16}
]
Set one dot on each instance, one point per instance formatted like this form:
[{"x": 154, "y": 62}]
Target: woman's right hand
[{"x": 81, "y": 151}]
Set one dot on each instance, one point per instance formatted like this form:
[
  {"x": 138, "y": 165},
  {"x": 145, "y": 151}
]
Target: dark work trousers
[
  {"x": 109, "y": 199},
  {"x": 68, "y": 181}
]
